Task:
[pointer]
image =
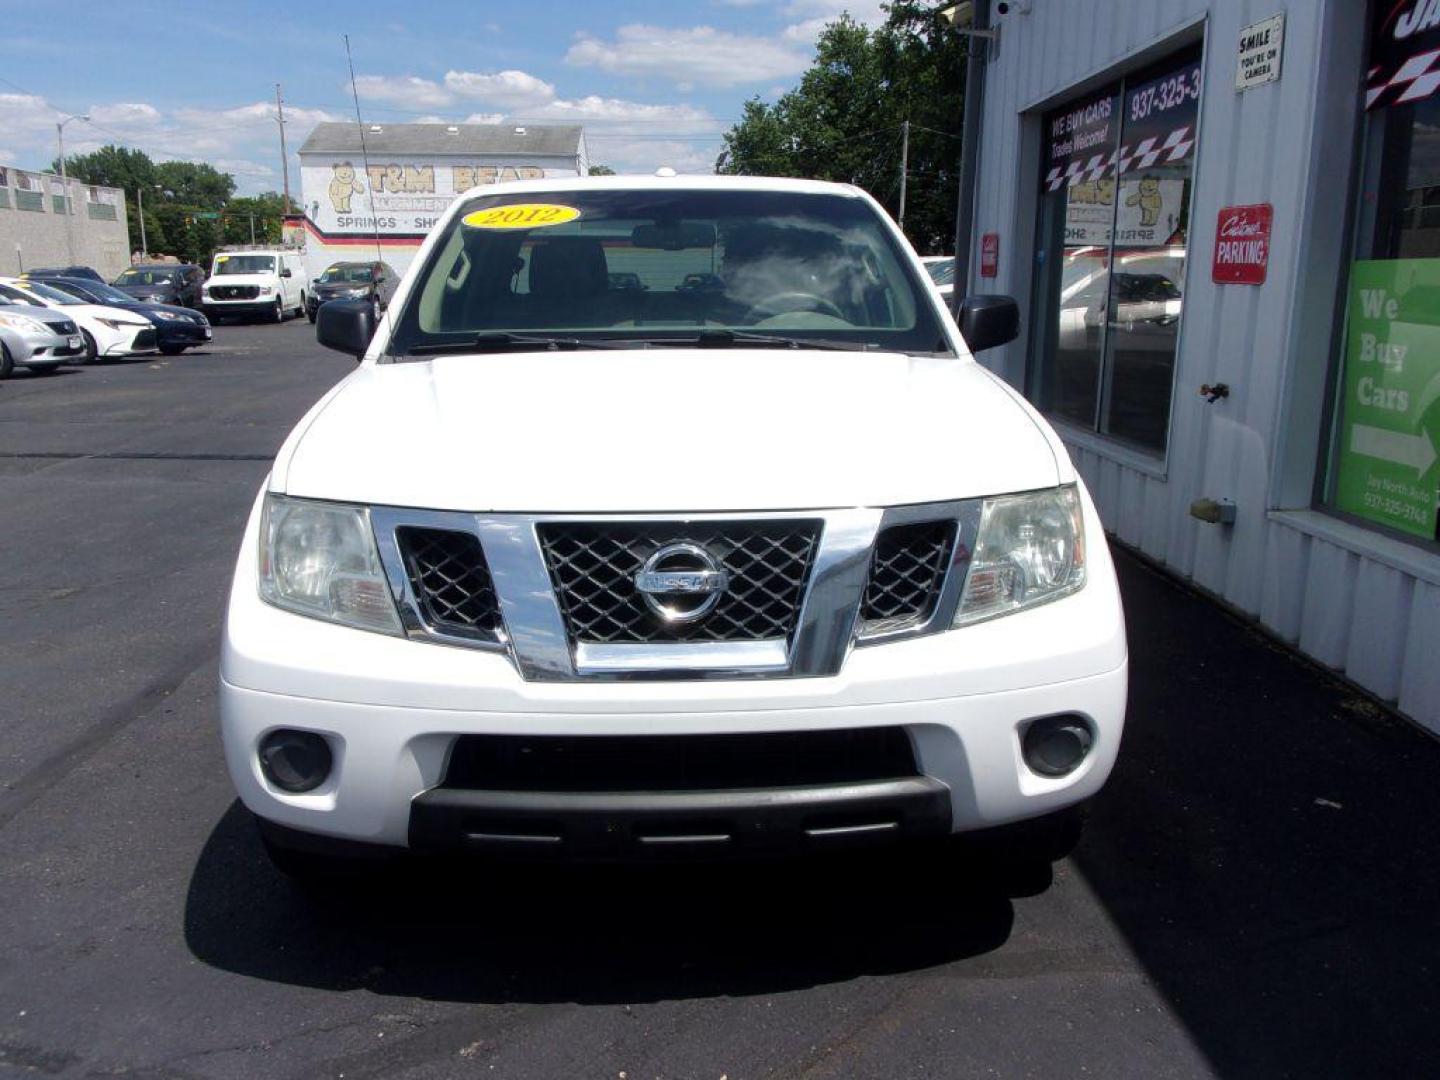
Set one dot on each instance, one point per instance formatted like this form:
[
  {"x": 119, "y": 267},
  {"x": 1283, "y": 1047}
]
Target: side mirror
[
  {"x": 988, "y": 321},
  {"x": 285, "y": 272},
  {"x": 346, "y": 326}
]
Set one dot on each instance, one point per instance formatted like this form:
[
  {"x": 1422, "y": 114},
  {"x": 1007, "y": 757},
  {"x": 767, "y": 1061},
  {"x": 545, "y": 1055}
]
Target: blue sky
[{"x": 653, "y": 82}]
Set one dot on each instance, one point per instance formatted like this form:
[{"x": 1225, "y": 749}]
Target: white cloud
[
  {"x": 505, "y": 89},
  {"x": 484, "y": 118},
  {"x": 132, "y": 113},
  {"x": 407, "y": 90},
  {"x": 700, "y": 55}
]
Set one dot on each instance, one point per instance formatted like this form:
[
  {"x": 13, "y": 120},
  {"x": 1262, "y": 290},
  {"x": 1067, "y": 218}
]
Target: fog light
[
  {"x": 295, "y": 761},
  {"x": 1056, "y": 745}
]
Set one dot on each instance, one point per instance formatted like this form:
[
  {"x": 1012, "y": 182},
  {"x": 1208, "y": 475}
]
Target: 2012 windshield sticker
[{"x": 521, "y": 216}]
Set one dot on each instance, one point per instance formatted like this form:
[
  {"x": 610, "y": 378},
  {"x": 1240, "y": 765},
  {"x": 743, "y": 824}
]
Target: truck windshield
[
  {"x": 668, "y": 266},
  {"x": 243, "y": 264},
  {"x": 357, "y": 274},
  {"x": 143, "y": 276}
]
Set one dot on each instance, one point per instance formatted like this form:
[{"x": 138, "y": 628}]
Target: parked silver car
[{"x": 40, "y": 339}]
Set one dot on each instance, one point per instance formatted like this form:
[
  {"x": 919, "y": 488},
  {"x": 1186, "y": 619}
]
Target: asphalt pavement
[{"x": 1257, "y": 894}]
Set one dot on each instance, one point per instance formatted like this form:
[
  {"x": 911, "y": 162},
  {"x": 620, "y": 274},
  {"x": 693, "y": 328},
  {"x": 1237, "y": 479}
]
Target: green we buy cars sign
[{"x": 1391, "y": 389}]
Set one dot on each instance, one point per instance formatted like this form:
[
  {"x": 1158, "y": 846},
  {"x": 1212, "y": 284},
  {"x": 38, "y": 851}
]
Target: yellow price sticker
[{"x": 521, "y": 216}]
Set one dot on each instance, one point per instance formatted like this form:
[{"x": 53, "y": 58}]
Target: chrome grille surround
[{"x": 810, "y": 637}]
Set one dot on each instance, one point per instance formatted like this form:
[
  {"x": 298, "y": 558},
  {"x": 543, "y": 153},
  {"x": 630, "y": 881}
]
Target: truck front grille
[
  {"x": 593, "y": 566},
  {"x": 234, "y": 292},
  {"x": 451, "y": 582},
  {"x": 907, "y": 572}
]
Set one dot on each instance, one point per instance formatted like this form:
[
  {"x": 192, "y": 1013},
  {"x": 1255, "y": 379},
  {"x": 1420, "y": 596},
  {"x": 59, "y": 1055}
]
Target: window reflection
[{"x": 1117, "y": 216}]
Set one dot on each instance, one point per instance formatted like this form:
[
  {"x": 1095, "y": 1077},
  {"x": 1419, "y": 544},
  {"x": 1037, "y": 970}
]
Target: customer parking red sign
[
  {"x": 989, "y": 254},
  {"x": 1242, "y": 245}
]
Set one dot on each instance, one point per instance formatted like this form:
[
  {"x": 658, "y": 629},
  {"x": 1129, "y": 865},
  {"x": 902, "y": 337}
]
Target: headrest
[{"x": 568, "y": 267}]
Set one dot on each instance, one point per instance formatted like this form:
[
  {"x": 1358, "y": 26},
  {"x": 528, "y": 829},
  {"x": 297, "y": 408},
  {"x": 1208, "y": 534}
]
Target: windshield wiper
[
  {"x": 725, "y": 339},
  {"x": 503, "y": 340}
]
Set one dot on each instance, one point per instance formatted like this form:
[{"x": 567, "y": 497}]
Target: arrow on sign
[{"x": 1413, "y": 451}]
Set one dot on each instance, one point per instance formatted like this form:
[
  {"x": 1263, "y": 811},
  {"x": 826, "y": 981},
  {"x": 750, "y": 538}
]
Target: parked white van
[{"x": 268, "y": 282}]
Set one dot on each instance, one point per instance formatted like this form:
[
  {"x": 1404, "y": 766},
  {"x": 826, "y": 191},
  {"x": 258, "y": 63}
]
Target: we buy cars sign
[{"x": 1242, "y": 245}]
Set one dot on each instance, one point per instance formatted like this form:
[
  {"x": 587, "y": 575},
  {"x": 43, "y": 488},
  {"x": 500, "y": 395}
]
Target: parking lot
[{"x": 1257, "y": 894}]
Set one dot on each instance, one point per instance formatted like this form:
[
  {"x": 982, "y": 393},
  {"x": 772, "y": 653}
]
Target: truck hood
[{"x": 666, "y": 430}]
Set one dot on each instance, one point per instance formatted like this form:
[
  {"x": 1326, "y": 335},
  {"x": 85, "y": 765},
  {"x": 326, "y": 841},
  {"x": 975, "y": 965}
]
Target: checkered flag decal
[
  {"x": 1417, "y": 78},
  {"x": 1143, "y": 155}
]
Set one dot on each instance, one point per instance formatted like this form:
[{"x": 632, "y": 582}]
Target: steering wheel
[{"x": 794, "y": 301}]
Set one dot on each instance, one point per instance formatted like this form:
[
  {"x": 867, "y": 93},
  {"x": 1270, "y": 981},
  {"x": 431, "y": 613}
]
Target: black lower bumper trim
[{"x": 606, "y": 825}]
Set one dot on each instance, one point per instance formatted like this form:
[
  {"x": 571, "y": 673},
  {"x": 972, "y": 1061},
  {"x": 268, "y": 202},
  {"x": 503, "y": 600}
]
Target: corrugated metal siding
[{"x": 1354, "y": 612}]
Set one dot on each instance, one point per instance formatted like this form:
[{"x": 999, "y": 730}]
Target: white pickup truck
[{"x": 668, "y": 515}]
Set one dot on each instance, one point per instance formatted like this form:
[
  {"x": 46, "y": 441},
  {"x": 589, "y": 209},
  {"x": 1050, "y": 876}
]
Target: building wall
[
  {"x": 345, "y": 205},
  {"x": 32, "y": 227},
  {"x": 1358, "y": 601}
]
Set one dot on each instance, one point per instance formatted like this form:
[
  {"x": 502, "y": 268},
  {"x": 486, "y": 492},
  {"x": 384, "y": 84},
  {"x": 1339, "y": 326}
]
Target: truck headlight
[
  {"x": 1030, "y": 550},
  {"x": 319, "y": 559}
]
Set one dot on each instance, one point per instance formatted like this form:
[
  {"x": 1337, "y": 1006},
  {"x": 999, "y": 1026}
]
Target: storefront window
[
  {"x": 1113, "y": 221},
  {"x": 1387, "y": 402}
]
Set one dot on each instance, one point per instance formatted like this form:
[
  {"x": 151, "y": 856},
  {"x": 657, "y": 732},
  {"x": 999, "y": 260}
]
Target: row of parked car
[
  {"x": 50, "y": 318},
  {"x": 71, "y": 315}
]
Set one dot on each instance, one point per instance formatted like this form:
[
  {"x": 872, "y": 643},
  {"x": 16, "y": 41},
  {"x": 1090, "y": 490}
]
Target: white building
[
  {"x": 34, "y": 231},
  {"x": 415, "y": 171},
  {"x": 1244, "y": 196}
]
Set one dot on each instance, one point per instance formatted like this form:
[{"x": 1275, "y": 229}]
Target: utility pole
[
  {"x": 980, "y": 35},
  {"x": 284, "y": 154},
  {"x": 140, "y": 198},
  {"x": 65, "y": 184},
  {"x": 904, "y": 168},
  {"x": 252, "y": 230}
]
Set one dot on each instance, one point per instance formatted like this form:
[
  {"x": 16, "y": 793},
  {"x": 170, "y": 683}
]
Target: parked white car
[
  {"x": 752, "y": 557},
  {"x": 262, "y": 282},
  {"x": 106, "y": 331},
  {"x": 37, "y": 339}
]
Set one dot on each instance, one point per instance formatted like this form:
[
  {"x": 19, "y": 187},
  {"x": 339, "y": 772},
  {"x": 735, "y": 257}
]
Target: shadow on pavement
[
  {"x": 1268, "y": 847},
  {"x": 597, "y": 934}
]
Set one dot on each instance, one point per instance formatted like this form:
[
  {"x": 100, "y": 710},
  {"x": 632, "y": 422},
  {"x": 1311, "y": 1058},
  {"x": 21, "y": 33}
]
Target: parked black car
[
  {"x": 373, "y": 281},
  {"x": 176, "y": 328},
  {"x": 163, "y": 283},
  {"x": 89, "y": 273}
]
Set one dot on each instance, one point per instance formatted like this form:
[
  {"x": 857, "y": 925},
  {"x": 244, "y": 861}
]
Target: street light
[{"x": 65, "y": 180}]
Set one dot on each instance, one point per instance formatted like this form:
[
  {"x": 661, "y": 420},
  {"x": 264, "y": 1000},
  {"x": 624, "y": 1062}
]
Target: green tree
[
  {"x": 843, "y": 121},
  {"x": 176, "y": 193},
  {"x": 200, "y": 186},
  {"x": 601, "y": 170}
]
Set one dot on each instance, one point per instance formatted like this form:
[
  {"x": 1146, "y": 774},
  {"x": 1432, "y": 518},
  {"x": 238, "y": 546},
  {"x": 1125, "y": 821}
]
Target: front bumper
[
  {"x": 213, "y": 309},
  {"x": 393, "y": 709},
  {"x": 45, "y": 350},
  {"x": 390, "y": 762},
  {"x": 176, "y": 332},
  {"x": 128, "y": 340}
]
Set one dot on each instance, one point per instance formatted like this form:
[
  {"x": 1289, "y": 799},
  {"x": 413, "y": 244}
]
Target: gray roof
[{"x": 557, "y": 140}]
